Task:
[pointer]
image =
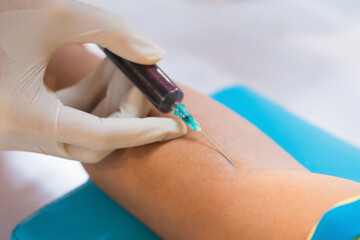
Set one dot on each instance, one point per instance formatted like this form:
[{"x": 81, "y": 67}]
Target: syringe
[{"x": 163, "y": 93}]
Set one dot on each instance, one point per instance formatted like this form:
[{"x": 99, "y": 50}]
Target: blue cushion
[{"x": 87, "y": 213}]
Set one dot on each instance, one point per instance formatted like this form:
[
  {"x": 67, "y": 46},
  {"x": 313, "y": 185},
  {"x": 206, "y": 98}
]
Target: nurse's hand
[{"x": 33, "y": 118}]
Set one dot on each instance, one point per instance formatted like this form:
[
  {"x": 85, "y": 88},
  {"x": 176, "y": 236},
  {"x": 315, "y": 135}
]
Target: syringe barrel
[{"x": 163, "y": 93}]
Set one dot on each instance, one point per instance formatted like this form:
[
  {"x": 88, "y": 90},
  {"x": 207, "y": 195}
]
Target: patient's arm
[{"x": 184, "y": 189}]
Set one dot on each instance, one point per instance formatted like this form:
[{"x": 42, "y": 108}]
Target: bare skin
[{"x": 184, "y": 189}]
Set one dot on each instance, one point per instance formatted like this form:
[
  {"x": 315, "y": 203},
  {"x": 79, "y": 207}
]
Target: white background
[{"x": 305, "y": 55}]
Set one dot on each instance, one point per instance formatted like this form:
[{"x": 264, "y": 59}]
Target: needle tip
[{"x": 212, "y": 143}]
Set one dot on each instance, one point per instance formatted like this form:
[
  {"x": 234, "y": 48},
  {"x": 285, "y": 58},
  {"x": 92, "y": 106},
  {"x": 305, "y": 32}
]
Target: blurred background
[{"x": 304, "y": 55}]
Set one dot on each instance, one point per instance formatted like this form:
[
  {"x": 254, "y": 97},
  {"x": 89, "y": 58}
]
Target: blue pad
[{"x": 87, "y": 213}]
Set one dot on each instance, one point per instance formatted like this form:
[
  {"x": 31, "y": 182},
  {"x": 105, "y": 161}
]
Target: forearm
[{"x": 184, "y": 189}]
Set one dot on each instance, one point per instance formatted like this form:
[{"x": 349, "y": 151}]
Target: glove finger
[
  {"x": 86, "y": 155},
  {"x": 38, "y": 144},
  {"x": 108, "y": 30},
  {"x": 88, "y": 131},
  {"x": 133, "y": 104},
  {"x": 88, "y": 93},
  {"x": 117, "y": 91}
]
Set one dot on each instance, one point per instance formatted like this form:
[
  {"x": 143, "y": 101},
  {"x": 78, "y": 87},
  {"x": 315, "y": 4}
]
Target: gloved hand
[{"x": 33, "y": 118}]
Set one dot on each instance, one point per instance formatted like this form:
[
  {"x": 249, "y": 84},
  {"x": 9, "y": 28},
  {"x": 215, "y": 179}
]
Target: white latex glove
[{"x": 32, "y": 118}]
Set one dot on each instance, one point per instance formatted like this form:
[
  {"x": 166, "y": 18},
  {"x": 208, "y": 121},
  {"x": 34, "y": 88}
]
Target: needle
[
  {"x": 212, "y": 143},
  {"x": 184, "y": 115}
]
